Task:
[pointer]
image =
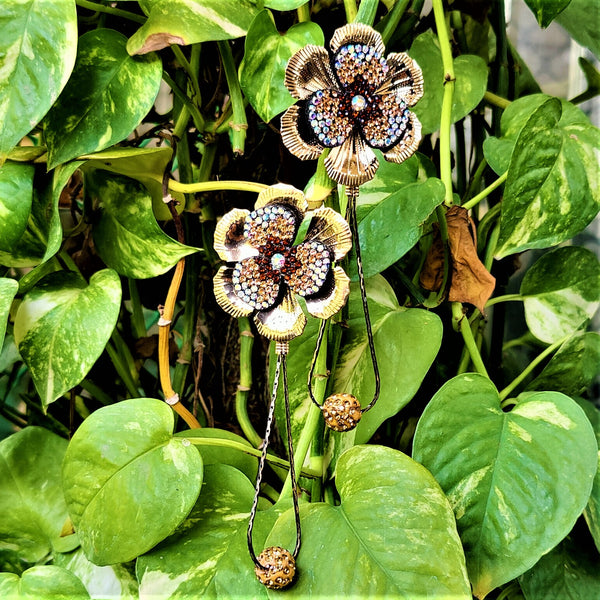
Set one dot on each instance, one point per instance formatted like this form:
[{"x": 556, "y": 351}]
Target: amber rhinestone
[
  {"x": 271, "y": 227},
  {"x": 341, "y": 412},
  {"x": 278, "y": 568}
]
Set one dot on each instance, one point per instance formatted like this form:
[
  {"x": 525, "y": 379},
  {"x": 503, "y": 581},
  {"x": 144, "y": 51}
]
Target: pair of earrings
[{"x": 350, "y": 101}]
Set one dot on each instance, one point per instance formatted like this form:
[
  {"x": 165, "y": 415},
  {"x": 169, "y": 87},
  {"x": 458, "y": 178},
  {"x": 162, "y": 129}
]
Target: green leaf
[
  {"x": 127, "y": 236},
  {"x": 581, "y": 19},
  {"x": 517, "y": 480},
  {"x": 38, "y": 46},
  {"x": 190, "y": 22},
  {"x": 551, "y": 192},
  {"x": 573, "y": 368},
  {"x": 16, "y": 193},
  {"x": 62, "y": 326},
  {"x": 391, "y": 227},
  {"x": 217, "y": 454},
  {"x": 393, "y": 535},
  {"x": 569, "y": 572},
  {"x": 31, "y": 498},
  {"x": 284, "y": 4},
  {"x": 546, "y": 11},
  {"x": 146, "y": 165},
  {"x": 208, "y": 557},
  {"x": 561, "y": 291},
  {"x": 471, "y": 81},
  {"x": 45, "y": 582},
  {"x": 8, "y": 290},
  {"x": 128, "y": 482},
  {"x": 267, "y": 52},
  {"x": 107, "y": 96},
  {"x": 114, "y": 582}
]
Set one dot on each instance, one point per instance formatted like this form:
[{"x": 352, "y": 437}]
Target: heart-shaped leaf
[
  {"x": 38, "y": 47},
  {"x": 31, "y": 498},
  {"x": 546, "y": 11},
  {"x": 267, "y": 52},
  {"x": 16, "y": 193},
  {"x": 127, "y": 236},
  {"x": 392, "y": 536},
  {"x": 561, "y": 291},
  {"x": 471, "y": 75},
  {"x": 551, "y": 192},
  {"x": 62, "y": 327},
  {"x": 115, "y": 582},
  {"x": 48, "y": 582},
  {"x": 579, "y": 19},
  {"x": 517, "y": 480},
  {"x": 8, "y": 290},
  {"x": 574, "y": 366},
  {"x": 190, "y": 22},
  {"x": 128, "y": 482},
  {"x": 107, "y": 96},
  {"x": 208, "y": 557}
]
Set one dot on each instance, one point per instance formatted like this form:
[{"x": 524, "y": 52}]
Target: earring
[
  {"x": 351, "y": 100},
  {"x": 263, "y": 273}
]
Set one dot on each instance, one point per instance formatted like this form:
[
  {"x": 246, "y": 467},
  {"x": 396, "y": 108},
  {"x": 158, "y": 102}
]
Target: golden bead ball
[
  {"x": 279, "y": 568},
  {"x": 341, "y": 412}
]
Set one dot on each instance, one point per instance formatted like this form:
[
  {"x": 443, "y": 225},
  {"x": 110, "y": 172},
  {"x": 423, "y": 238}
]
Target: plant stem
[
  {"x": 122, "y": 370},
  {"x": 239, "y": 123},
  {"x": 393, "y": 18},
  {"x": 117, "y": 12},
  {"x": 449, "y": 82},
  {"x": 532, "y": 365},
  {"x": 303, "y": 12},
  {"x": 462, "y": 325},
  {"x": 496, "y": 100},
  {"x": 188, "y": 68},
  {"x": 504, "y": 298},
  {"x": 216, "y": 186},
  {"x": 241, "y": 396},
  {"x": 138, "y": 325},
  {"x": 366, "y": 12},
  {"x": 350, "y": 8},
  {"x": 182, "y": 97},
  {"x": 475, "y": 200}
]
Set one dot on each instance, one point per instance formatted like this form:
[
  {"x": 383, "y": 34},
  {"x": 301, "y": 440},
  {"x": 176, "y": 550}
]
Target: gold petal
[
  {"x": 282, "y": 193},
  {"x": 356, "y": 32},
  {"x": 352, "y": 163},
  {"x": 406, "y": 78},
  {"x": 228, "y": 300},
  {"x": 406, "y": 147},
  {"x": 292, "y": 139},
  {"x": 330, "y": 228},
  {"x": 323, "y": 308},
  {"x": 282, "y": 323},
  {"x": 229, "y": 241},
  {"x": 309, "y": 70}
]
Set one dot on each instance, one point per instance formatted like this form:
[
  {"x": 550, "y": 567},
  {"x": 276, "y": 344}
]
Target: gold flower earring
[
  {"x": 263, "y": 273},
  {"x": 350, "y": 101}
]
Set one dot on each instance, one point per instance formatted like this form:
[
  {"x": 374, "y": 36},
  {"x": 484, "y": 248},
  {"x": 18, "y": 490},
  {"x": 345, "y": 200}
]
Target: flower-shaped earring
[
  {"x": 264, "y": 272},
  {"x": 351, "y": 101}
]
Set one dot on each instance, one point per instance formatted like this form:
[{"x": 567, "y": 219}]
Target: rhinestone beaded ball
[
  {"x": 279, "y": 568},
  {"x": 341, "y": 412}
]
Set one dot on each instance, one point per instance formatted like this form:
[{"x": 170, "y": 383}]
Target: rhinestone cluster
[
  {"x": 313, "y": 262},
  {"x": 278, "y": 568},
  {"x": 271, "y": 226},
  {"x": 387, "y": 125},
  {"x": 330, "y": 128},
  {"x": 341, "y": 412},
  {"x": 255, "y": 283},
  {"x": 359, "y": 64}
]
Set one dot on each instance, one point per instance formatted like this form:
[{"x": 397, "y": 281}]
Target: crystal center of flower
[
  {"x": 358, "y": 103},
  {"x": 277, "y": 261}
]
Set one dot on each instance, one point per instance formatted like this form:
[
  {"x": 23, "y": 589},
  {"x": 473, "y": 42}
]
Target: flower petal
[
  {"x": 408, "y": 144},
  {"x": 325, "y": 306},
  {"x": 386, "y": 123},
  {"x": 328, "y": 118},
  {"x": 356, "y": 32},
  {"x": 360, "y": 68},
  {"x": 405, "y": 78},
  {"x": 272, "y": 228},
  {"x": 256, "y": 283},
  {"x": 282, "y": 194},
  {"x": 230, "y": 242},
  {"x": 291, "y": 120},
  {"x": 329, "y": 228},
  {"x": 352, "y": 163},
  {"x": 225, "y": 295},
  {"x": 307, "y": 71},
  {"x": 282, "y": 323},
  {"x": 307, "y": 267}
]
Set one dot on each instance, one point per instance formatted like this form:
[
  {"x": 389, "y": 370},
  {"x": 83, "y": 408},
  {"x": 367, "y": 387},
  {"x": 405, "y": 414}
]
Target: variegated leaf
[
  {"x": 37, "y": 46},
  {"x": 107, "y": 96},
  {"x": 127, "y": 236},
  {"x": 190, "y": 22},
  {"x": 517, "y": 480},
  {"x": 8, "y": 290},
  {"x": 48, "y": 582},
  {"x": 62, "y": 327}
]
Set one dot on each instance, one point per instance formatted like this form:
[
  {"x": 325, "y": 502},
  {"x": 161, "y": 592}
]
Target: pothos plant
[{"x": 475, "y": 473}]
